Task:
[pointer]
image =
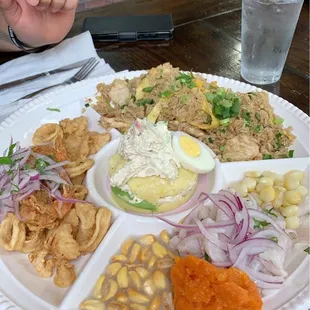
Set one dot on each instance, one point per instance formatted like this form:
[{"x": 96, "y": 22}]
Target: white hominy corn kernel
[
  {"x": 241, "y": 189},
  {"x": 256, "y": 196},
  {"x": 292, "y": 222},
  {"x": 262, "y": 182},
  {"x": 291, "y": 183},
  {"x": 253, "y": 174},
  {"x": 269, "y": 174},
  {"x": 278, "y": 199},
  {"x": 293, "y": 197},
  {"x": 249, "y": 183},
  {"x": 295, "y": 174},
  {"x": 267, "y": 194},
  {"x": 302, "y": 190},
  {"x": 289, "y": 211},
  {"x": 279, "y": 180}
]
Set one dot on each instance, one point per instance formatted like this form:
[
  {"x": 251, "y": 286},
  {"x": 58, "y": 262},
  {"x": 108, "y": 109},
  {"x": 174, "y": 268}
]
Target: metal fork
[{"x": 79, "y": 76}]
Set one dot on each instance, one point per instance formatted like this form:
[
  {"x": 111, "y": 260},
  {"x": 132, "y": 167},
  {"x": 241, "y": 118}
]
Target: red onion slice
[{"x": 222, "y": 203}]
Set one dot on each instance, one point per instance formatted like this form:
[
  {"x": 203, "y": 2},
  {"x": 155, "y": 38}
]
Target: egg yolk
[{"x": 189, "y": 146}]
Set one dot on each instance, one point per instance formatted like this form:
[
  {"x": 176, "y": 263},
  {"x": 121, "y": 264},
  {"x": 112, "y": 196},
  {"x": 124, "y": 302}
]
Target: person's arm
[{"x": 6, "y": 44}]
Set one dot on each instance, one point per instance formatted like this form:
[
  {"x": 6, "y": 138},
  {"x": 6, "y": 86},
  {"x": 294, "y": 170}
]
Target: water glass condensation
[{"x": 267, "y": 31}]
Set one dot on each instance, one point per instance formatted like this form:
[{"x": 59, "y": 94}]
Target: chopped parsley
[
  {"x": 86, "y": 105},
  {"x": 11, "y": 149},
  {"x": 165, "y": 94},
  {"x": 275, "y": 239},
  {"x": 278, "y": 120},
  {"x": 210, "y": 140},
  {"x": 148, "y": 89},
  {"x": 278, "y": 140},
  {"x": 53, "y": 109},
  {"x": 260, "y": 224},
  {"x": 257, "y": 116},
  {"x": 40, "y": 165},
  {"x": 186, "y": 79},
  {"x": 257, "y": 128},
  {"x": 225, "y": 103},
  {"x": 207, "y": 258},
  {"x": 143, "y": 102},
  {"x": 5, "y": 161},
  {"x": 270, "y": 212},
  {"x": 307, "y": 250},
  {"x": 27, "y": 166},
  {"x": 222, "y": 148},
  {"x": 267, "y": 156}
]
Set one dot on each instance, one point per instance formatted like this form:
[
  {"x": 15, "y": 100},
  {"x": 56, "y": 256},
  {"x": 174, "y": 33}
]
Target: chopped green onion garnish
[
  {"x": 165, "y": 93},
  {"x": 11, "y": 149},
  {"x": 143, "y": 102},
  {"x": 257, "y": 116},
  {"x": 222, "y": 147},
  {"x": 40, "y": 165},
  {"x": 257, "y": 128},
  {"x": 267, "y": 156},
  {"x": 275, "y": 239},
  {"x": 210, "y": 140},
  {"x": 260, "y": 224},
  {"x": 87, "y": 105},
  {"x": 148, "y": 89},
  {"x": 278, "y": 120},
  {"x": 291, "y": 153},
  {"x": 53, "y": 109},
  {"x": 224, "y": 121}
]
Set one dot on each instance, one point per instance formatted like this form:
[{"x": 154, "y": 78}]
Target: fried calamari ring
[
  {"x": 103, "y": 220},
  {"x": 74, "y": 168},
  {"x": 46, "y": 133},
  {"x": 12, "y": 233},
  {"x": 34, "y": 241}
]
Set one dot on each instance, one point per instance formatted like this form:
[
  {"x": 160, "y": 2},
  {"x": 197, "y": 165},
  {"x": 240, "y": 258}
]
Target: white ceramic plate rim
[{"x": 44, "y": 99}]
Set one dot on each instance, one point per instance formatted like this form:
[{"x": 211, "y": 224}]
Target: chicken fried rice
[{"x": 236, "y": 126}]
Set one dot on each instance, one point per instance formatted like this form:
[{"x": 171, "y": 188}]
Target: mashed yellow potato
[{"x": 158, "y": 191}]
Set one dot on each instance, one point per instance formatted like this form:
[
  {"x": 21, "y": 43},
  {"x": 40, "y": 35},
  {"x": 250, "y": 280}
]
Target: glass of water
[{"x": 267, "y": 31}]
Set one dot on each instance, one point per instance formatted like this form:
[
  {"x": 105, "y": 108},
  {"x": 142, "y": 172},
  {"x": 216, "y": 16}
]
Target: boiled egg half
[{"x": 192, "y": 154}]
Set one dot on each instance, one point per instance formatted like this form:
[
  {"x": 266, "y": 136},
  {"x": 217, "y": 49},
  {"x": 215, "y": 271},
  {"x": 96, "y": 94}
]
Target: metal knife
[{"x": 43, "y": 74}]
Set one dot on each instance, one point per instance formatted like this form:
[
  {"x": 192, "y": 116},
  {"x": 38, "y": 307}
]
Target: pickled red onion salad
[
  {"x": 23, "y": 172},
  {"x": 235, "y": 232}
]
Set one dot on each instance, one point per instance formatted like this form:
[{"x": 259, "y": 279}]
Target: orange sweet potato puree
[{"x": 198, "y": 285}]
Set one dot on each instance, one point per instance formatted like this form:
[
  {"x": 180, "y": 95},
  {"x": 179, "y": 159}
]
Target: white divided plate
[{"x": 18, "y": 281}]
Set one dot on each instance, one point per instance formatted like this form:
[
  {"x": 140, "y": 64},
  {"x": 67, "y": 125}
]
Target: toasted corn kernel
[
  {"x": 109, "y": 289},
  {"x": 159, "y": 279},
  {"x": 152, "y": 262},
  {"x": 149, "y": 287},
  {"x": 137, "y": 297},
  {"x": 121, "y": 297},
  {"x": 134, "y": 253},
  {"x": 136, "y": 280},
  {"x": 147, "y": 240},
  {"x": 92, "y": 304},
  {"x": 164, "y": 263},
  {"x": 122, "y": 277},
  {"x": 119, "y": 258},
  {"x": 133, "y": 265},
  {"x": 145, "y": 255},
  {"x": 155, "y": 304},
  {"x": 172, "y": 255},
  {"x": 126, "y": 246},
  {"x": 164, "y": 236},
  {"x": 115, "y": 305},
  {"x": 97, "y": 293},
  {"x": 142, "y": 272},
  {"x": 159, "y": 250},
  {"x": 114, "y": 268},
  {"x": 137, "y": 307}
]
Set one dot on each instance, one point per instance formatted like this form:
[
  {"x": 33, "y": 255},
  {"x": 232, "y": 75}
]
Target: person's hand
[{"x": 39, "y": 22}]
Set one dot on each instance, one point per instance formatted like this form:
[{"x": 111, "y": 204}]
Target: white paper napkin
[{"x": 68, "y": 52}]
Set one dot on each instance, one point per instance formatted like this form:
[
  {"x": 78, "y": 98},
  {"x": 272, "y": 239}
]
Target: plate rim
[{"x": 298, "y": 299}]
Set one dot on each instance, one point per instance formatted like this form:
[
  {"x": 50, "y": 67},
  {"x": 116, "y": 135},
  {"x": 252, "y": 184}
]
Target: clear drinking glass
[{"x": 267, "y": 31}]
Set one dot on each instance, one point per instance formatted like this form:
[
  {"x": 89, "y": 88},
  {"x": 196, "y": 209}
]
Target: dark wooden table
[{"x": 207, "y": 38}]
